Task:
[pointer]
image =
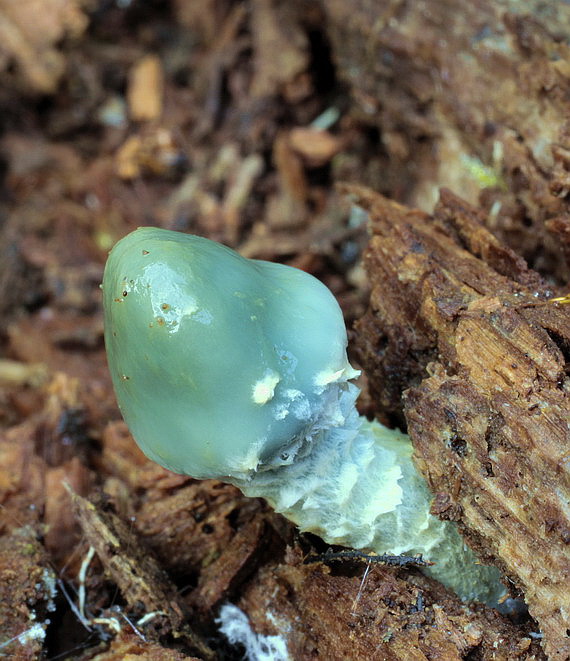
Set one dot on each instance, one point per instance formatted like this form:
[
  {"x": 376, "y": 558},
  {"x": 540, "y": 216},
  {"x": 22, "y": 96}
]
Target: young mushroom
[{"x": 236, "y": 369}]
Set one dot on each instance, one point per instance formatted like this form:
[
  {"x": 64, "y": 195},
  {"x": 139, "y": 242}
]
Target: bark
[{"x": 460, "y": 325}]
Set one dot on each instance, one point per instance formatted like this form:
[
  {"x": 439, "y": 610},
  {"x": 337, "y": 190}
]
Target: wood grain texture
[
  {"x": 328, "y": 612},
  {"x": 461, "y": 327}
]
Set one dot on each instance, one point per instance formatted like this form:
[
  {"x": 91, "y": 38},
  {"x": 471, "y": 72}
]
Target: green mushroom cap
[{"x": 220, "y": 364}]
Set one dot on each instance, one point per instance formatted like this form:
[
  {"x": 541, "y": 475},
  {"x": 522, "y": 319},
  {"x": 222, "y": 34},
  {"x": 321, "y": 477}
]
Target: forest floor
[{"x": 222, "y": 119}]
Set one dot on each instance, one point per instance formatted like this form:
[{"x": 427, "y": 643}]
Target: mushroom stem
[{"x": 353, "y": 483}]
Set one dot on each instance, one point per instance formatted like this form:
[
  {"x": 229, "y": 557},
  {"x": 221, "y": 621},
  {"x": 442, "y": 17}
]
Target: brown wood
[
  {"x": 466, "y": 94},
  {"x": 468, "y": 333}
]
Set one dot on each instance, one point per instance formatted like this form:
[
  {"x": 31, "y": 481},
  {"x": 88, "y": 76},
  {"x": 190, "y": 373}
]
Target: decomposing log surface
[
  {"x": 330, "y": 613},
  {"x": 458, "y": 322},
  {"x": 142, "y": 582},
  {"x": 27, "y": 593},
  {"x": 470, "y": 95}
]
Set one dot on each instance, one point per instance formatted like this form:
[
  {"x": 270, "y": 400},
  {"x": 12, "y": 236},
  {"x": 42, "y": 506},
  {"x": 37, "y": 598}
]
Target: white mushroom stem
[{"x": 353, "y": 483}]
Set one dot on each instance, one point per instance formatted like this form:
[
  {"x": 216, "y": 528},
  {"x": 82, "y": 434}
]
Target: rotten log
[
  {"x": 467, "y": 95},
  {"x": 327, "y": 612},
  {"x": 27, "y": 594},
  {"x": 472, "y": 338},
  {"x": 144, "y": 585}
]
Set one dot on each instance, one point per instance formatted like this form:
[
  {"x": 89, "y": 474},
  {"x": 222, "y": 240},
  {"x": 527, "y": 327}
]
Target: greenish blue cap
[{"x": 220, "y": 364}]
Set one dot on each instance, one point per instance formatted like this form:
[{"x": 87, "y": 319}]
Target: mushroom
[{"x": 236, "y": 369}]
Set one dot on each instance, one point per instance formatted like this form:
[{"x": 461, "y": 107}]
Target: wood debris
[
  {"x": 316, "y": 147},
  {"x": 27, "y": 594},
  {"x": 149, "y": 594},
  {"x": 474, "y": 100},
  {"x": 145, "y": 90},
  {"x": 281, "y": 48},
  {"x": 460, "y": 325},
  {"x": 29, "y": 35},
  {"x": 129, "y": 646},
  {"x": 376, "y": 616}
]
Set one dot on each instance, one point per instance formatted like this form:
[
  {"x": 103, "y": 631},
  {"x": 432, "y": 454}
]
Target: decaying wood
[
  {"x": 29, "y": 32},
  {"x": 336, "y": 613},
  {"x": 237, "y": 560},
  {"x": 144, "y": 585},
  {"x": 460, "y": 322},
  {"x": 27, "y": 593},
  {"x": 128, "y": 646},
  {"x": 471, "y": 95},
  {"x": 188, "y": 524}
]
